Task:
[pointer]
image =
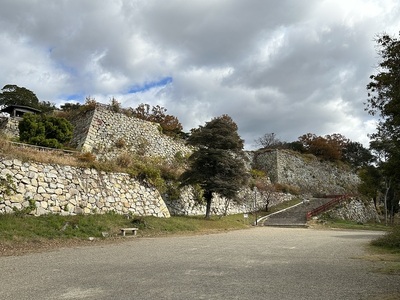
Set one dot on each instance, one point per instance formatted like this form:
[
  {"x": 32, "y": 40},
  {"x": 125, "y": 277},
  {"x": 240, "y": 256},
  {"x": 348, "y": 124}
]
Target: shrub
[
  {"x": 87, "y": 157},
  {"x": 6, "y": 185},
  {"x": 43, "y": 130},
  {"x": 124, "y": 160},
  {"x": 390, "y": 240},
  {"x": 120, "y": 143}
]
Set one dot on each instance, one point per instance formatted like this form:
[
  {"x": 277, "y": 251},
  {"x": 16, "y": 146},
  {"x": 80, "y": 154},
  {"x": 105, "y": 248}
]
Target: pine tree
[{"x": 217, "y": 164}]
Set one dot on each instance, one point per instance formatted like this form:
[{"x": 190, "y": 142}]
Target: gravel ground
[{"x": 259, "y": 263}]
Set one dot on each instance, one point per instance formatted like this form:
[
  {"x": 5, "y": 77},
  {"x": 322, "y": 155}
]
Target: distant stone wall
[
  {"x": 68, "y": 190},
  {"x": 107, "y": 134},
  {"x": 9, "y": 127},
  {"x": 306, "y": 172}
]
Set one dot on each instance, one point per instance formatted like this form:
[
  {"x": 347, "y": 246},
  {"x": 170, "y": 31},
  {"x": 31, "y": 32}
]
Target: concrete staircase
[{"x": 294, "y": 216}]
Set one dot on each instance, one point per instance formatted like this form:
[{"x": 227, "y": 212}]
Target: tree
[
  {"x": 15, "y": 95},
  {"x": 329, "y": 147},
  {"x": 269, "y": 141},
  {"x": 170, "y": 124},
  {"x": 216, "y": 165},
  {"x": 356, "y": 155},
  {"x": 384, "y": 101},
  {"x": 43, "y": 130},
  {"x": 370, "y": 185}
]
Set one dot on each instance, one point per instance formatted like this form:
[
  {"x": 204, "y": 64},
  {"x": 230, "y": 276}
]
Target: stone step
[{"x": 296, "y": 216}]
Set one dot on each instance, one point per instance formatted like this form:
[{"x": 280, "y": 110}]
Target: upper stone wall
[
  {"x": 107, "y": 134},
  {"x": 306, "y": 172}
]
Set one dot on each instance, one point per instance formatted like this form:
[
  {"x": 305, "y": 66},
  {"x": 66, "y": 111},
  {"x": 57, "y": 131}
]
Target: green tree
[
  {"x": 356, "y": 155},
  {"x": 217, "y": 164},
  {"x": 43, "y": 130},
  {"x": 15, "y": 95},
  {"x": 384, "y": 101},
  {"x": 370, "y": 185}
]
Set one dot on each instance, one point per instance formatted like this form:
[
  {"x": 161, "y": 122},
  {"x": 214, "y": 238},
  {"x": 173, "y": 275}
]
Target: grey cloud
[{"x": 288, "y": 67}]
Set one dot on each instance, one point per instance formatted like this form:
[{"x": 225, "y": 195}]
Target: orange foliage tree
[{"x": 329, "y": 147}]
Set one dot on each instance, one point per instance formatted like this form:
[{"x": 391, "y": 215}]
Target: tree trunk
[{"x": 208, "y": 197}]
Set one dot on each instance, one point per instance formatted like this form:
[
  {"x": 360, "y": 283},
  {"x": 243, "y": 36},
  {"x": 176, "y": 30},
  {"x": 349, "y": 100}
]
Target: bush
[
  {"x": 124, "y": 160},
  {"x": 43, "y": 130},
  {"x": 390, "y": 240},
  {"x": 87, "y": 157}
]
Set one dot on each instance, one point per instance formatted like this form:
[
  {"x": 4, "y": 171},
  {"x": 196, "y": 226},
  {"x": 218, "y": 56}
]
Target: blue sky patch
[
  {"x": 77, "y": 97},
  {"x": 149, "y": 85}
]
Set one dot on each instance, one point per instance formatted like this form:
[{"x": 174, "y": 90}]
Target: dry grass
[
  {"x": 26, "y": 153},
  {"x": 125, "y": 162}
]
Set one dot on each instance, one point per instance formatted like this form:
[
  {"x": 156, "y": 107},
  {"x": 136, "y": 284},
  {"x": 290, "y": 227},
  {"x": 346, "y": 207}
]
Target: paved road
[{"x": 259, "y": 263}]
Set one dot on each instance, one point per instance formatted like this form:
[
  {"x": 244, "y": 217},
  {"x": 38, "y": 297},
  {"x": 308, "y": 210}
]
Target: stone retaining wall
[
  {"x": 355, "y": 210},
  {"x": 247, "y": 200},
  {"x": 107, "y": 134},
  {"x": 9, "y": 127},
  {"x": 306, "y": 172},
  {"x": 69, "y": 190}
]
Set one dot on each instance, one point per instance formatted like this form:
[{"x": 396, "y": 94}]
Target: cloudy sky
[{"x": 284, "y": 66}]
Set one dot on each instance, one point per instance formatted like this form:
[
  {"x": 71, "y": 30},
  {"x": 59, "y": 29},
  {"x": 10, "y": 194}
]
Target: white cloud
[{"x": 282, "y": 66}]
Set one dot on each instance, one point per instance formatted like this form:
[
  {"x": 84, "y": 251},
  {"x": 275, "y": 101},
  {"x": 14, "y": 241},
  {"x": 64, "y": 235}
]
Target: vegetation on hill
[
  {"x": 334, "y": 147},
  {"x": 15, "y": 95},
  {"x": 170, "y": 124}
]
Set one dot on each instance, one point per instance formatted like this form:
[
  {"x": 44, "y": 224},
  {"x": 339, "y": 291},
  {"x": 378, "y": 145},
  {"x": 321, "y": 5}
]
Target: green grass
[
  {"x": 17, "y": 228},
  {"x": 14, "y": 227},
  {"x": 386, "y": 249},
  {"x": 345, "y": 224}
]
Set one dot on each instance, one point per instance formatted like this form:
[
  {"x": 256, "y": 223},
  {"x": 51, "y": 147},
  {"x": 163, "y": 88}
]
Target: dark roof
[{"x": 12, "y": 107}]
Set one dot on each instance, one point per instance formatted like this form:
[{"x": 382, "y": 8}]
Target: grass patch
[
  {"x": 13, "y": 228},
  {"x": 352, "y": 225},
  {"x": 58, "y": 227},
  {"x": 386, "y": 249}
]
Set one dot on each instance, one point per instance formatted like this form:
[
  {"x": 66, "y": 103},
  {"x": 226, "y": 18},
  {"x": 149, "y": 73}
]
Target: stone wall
[
  {"x": 107, "y": 134},
  {"x": 9, "y": 127},
  {"x": 306, "y": 172},
  {"x": 246, "y": 201},
  {"x": 355, "y": 210},
  {"x": 69, "y": 190}
]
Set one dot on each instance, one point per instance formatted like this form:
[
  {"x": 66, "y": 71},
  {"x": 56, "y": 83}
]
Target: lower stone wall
[
  {"x": 68, "y": 190},
  {"x": 245, "y": 203},
  {"x": 355, "y": 210}
]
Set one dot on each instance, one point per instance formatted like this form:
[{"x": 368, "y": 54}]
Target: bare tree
[{"x": 269, "y": 141}]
